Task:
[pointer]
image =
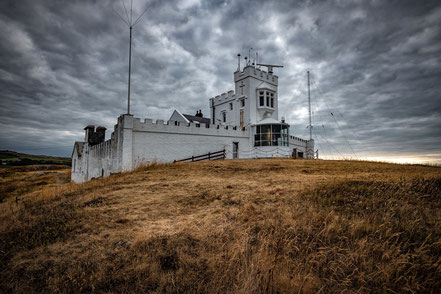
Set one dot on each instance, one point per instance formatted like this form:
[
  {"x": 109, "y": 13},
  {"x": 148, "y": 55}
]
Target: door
[{"x": 235, "y": 150}]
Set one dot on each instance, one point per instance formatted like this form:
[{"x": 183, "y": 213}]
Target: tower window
[
  {"x": 231, "y": 106},
  {"x": 272, "y": 102},
  {"x": 242, "y": 103},
  {"x": 224, "y": 116}
]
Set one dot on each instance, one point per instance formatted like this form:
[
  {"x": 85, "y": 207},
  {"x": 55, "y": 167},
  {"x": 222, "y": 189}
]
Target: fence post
[
  {"x": 192, "y": 158},
  {"x": 209, "y": 156}
]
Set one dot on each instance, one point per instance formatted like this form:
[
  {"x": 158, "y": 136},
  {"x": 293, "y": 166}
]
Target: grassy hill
[
  {"x": 12, "y": 158},
  {"x": 238, "y": 226}
]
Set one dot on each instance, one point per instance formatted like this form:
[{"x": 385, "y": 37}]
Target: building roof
[
  {"x": 193, "y": 118},
  {"x": 264, "y": 85},
  {"x": 271, "y": 121},
  {"x": 79, "y": 146}
]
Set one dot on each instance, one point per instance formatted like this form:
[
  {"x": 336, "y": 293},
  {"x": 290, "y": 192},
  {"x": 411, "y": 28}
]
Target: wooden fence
[{"x": 209, "y": 156}]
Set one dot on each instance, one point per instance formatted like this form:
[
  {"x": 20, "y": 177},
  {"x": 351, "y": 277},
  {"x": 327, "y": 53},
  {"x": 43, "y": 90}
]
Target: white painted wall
[{"x": 134, "y": 142}]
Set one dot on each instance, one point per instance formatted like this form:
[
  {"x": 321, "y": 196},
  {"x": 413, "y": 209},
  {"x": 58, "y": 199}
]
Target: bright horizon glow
[
  {"x": 398, "y": 159},
  {"x": 433, "y": 158}
]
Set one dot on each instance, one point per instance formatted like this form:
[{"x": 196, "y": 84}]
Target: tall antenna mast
[
  {"x": 130, "y": 70},
  {"x": 131, "y": 24},
  {"x": 309, "y": 103}
]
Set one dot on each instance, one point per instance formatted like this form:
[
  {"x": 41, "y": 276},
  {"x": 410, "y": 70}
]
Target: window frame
[
  {"x": 271, "y": 135},
  {"x": 266, "y": 98}
]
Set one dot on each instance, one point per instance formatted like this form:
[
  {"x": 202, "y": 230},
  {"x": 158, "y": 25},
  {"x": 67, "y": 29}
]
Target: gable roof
[
  {"x": 192, "y": 118},
  {"x": 180, "y": 114},
  {"x": 79, "y": 147}
]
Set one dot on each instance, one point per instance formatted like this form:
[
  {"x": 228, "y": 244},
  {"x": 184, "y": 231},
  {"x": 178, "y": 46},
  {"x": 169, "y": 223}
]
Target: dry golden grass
[
  {"x": 19, "y": 180},
  {"x": 237, "y": 226}
]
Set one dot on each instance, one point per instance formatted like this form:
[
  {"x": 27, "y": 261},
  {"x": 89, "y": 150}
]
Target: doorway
[{"x": 235, "y": 150}]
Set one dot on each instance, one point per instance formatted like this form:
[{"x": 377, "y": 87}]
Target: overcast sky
[{"x": 376, "y": 66}]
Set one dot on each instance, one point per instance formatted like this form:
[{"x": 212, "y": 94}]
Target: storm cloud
[{"x": 375, "y": 68}]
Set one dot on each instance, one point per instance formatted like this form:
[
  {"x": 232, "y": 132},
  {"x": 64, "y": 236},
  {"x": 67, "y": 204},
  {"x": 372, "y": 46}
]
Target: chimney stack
[
  {"x": 94, "y": 137},
  {"x": 100, "y": 134},
  {"x": 89, "y": 130}
]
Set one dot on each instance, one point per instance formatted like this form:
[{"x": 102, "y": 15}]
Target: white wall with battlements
[
  {"x": 135, "y": 142},
  {"x": 168, "y": 141}
]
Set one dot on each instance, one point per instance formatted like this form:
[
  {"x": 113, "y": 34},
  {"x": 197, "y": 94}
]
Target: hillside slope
[
  {"x": 242, "y": 226},
  {"x": 12, "y": 158}
]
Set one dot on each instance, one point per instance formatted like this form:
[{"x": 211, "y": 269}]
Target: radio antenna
[
  {"x": 238, "y": 61},
  {"x": 309, "y": 103},
  {"x": 131, "y": 24}
]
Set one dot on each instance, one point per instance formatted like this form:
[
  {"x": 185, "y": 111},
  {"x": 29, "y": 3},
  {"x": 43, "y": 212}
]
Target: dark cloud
[{"x": 376, "y": 66}]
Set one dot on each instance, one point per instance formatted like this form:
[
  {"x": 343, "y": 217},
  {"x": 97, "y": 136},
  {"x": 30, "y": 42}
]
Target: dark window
[
  {"x": 242, "y": 103},
  {"x": 272, "y": 102},
  {"x": 224, "y": 116},
  {"x": 261, "y": 98},
  {"x": 231, "y": 106}
]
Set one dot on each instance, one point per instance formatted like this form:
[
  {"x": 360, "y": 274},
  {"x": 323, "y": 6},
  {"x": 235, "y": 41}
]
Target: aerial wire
[
  {"x": 120, "y": 17},
  {"x": 324, "y": 136},
  {"x": 125, "y": 9},
  {"x": 344, "y": 135},
  {"x": 139, "y": 18},
  {"x": 131, "y": 10},
  {"x": 323, "y": 126},
  {"x": 335, "y": 120}
]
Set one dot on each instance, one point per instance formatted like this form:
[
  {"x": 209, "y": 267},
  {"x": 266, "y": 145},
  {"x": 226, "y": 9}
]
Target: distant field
[
  {"x": 17, "y": 181},
  {"x": 11, "y": 158},
  {"x": 235, "y": 226}
]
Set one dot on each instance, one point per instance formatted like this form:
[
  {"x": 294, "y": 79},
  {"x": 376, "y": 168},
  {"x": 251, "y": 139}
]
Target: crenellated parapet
[
  {"x": 294, "y": 138},
  {"x": 102, "y": 149},
  {"x": 223, "y": 98},
  {"x": 175, "y": 127},
  {"x": 256, "y": 73}
]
